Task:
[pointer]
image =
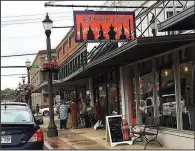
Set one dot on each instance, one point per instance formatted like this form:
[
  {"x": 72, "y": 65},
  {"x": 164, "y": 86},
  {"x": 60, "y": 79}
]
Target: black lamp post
[
  {"x": 19, "y": 90},
  {"x": 152, "y": 22},
  {"x": 52, "y": 129},
  {"x": 28, "y": 64},
  {"x": 23, "y": 80}
]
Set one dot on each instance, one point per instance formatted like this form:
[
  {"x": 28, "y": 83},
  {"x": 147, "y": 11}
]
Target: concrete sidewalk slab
[
  {"x": 88, "y": 138},
  {"x": 47, "y": 146}
]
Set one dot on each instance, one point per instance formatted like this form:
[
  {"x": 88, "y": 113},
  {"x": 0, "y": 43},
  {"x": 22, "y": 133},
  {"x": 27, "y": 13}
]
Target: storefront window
[
  {"x": 112, "y": 99},
  {"x": 166, "y": 92},
  {"x": 146, "y": 100},
  {"x": 102, "y": 101},
  {"x": 187, "y": 103},
  {"x": 120, "y": 101}
]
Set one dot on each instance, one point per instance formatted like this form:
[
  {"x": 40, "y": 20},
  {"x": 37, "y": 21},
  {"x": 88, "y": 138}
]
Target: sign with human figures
[{"x": 98, "y": 26}]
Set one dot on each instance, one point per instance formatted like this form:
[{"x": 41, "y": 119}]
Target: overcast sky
[{"x": 18, "y": 36}]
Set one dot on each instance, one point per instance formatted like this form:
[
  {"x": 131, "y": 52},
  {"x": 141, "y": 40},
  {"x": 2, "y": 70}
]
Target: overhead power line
[
  {"x": 28, "y": 54},
  {"x": 31, "y": 19},
  {"x": 13, "y": 66},
  {"x": 33, "y": 15},
  {"x": 14, "y": 75},
  {"x": 33, "y": 22}
]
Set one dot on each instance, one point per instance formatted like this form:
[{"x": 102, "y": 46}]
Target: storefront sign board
[
  {"x": 115, "y": 131},
  {"x": 99, "y": 26}
]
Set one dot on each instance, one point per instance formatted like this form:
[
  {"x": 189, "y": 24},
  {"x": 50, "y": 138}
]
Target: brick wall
[{"x": 67, "y": 47}]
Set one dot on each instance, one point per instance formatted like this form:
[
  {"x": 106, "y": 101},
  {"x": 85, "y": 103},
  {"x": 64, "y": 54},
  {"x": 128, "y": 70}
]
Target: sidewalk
[{"x": 87, "y": 138}]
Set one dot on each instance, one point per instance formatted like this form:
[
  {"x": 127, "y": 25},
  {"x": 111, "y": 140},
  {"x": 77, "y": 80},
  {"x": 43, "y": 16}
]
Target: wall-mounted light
[
  {"x": 186, "y": 69},
  {"x": 166, "y": 73}
]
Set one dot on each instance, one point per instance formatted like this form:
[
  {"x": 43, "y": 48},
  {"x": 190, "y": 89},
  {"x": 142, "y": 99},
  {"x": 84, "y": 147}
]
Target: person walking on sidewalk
[
  {"x": 73, "y": 114},
  {"x": 63, "y": 115}
]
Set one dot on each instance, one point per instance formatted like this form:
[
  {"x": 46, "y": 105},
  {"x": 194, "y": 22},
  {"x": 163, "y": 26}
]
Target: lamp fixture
[{"x": 166, "y": 73}]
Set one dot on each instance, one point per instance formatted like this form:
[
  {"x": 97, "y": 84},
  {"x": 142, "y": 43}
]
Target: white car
[
  {"x": 45, "y": 111},
  {"x": 14, "y": 103}
]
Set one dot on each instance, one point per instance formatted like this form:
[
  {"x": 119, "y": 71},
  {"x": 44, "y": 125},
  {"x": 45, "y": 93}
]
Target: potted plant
[{"x": 50, "y": 66}]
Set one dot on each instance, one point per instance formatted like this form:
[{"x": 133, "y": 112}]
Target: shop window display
[
  {"x": 120, "y": 100},
  {"x": 112, "y": 99},
  {"x": 187, "y": 102},
  {"x": 167, "y": 99},
  {"x": 102, "y": 101},
  {"x": 146, "y": 101}
]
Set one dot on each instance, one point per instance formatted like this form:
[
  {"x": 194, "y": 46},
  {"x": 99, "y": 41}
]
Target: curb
[{"x": 47, "y": 146}]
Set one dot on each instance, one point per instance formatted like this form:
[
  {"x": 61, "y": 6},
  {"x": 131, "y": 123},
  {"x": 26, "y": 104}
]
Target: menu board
[
  {"x": 115, "y": 125},
  {"x": 115, "y": 130}
]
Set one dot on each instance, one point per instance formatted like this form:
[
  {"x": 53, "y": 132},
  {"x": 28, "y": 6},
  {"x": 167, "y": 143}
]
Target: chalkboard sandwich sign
[{"x": 115, "y": 130}]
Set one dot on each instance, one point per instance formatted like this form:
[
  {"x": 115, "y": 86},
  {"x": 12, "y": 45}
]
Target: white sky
[{"x": 30, "y": 38}]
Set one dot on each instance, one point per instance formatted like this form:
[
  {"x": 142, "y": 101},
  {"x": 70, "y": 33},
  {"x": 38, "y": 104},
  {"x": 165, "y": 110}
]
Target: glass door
[
  {"x": 112, "y": 99},
  {"x": 103, "y": 103}
]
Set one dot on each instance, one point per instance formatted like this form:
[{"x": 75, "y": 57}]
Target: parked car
[
  {"x": 15, "y": 103},
  {"x": 168, "y": 104},
  {"x": 19, "y": 129},
  {"x": 45, "y": 111},
  {"x": 21, "y": 104}
]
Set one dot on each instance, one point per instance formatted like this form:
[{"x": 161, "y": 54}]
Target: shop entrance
[{"x": 106, "y": 93}]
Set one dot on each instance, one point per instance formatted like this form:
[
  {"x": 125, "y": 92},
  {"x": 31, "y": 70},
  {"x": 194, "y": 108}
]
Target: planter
[{"x": 49, "y": 70}]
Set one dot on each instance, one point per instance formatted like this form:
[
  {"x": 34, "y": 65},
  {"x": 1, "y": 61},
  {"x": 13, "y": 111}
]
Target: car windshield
[
  {"x": 167, "y": 99},
  {"x": 15, "y": 116},
  {"x": 12, "y": 106}
]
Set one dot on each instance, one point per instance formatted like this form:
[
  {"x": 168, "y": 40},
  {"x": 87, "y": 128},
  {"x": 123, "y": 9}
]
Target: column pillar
[
  {"x": 154, "y": 87},
  {"x": 177, "y": 89},
  {"x": 131, "y": 94},
  {"x": 91, "y": 91},
  {"x": 122, "y": 91},
  {"x": 137, "y": 92},
  {"x": 126, "y": 83},
  {"x": 127, "y": 92}
]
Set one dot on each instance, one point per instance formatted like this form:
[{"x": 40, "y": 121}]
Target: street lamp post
[
  {"x": 19, "y": 88},
  {"x": 28, "y": 64},
  {"x": 52, "y": 129},
  {"x": 23, "y": 80}
]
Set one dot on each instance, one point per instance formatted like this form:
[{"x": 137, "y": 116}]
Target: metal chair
[{"x": 152, "y": 123}]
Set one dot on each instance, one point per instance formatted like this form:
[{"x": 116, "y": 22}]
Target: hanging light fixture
[
  {"x": 186, "y": 69},
  {"x": 166, "y": 73}
]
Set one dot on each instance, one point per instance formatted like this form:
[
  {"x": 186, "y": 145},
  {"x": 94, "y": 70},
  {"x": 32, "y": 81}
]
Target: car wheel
[{"x": 46, "y": 113}]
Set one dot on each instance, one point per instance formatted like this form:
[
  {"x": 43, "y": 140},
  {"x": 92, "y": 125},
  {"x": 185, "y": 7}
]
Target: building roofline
[
  {"x": 71, "y": 29},
  {"x": 40, "y": 52}
]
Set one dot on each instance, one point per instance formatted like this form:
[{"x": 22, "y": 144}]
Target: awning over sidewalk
[
  {"x": 184, "y": 20},
  {"x": 59, "y": 84},
  {"x": 138, "y": 49}
]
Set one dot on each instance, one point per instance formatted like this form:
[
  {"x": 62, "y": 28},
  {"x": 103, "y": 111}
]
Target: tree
[{"x": 6, "y": 94}]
